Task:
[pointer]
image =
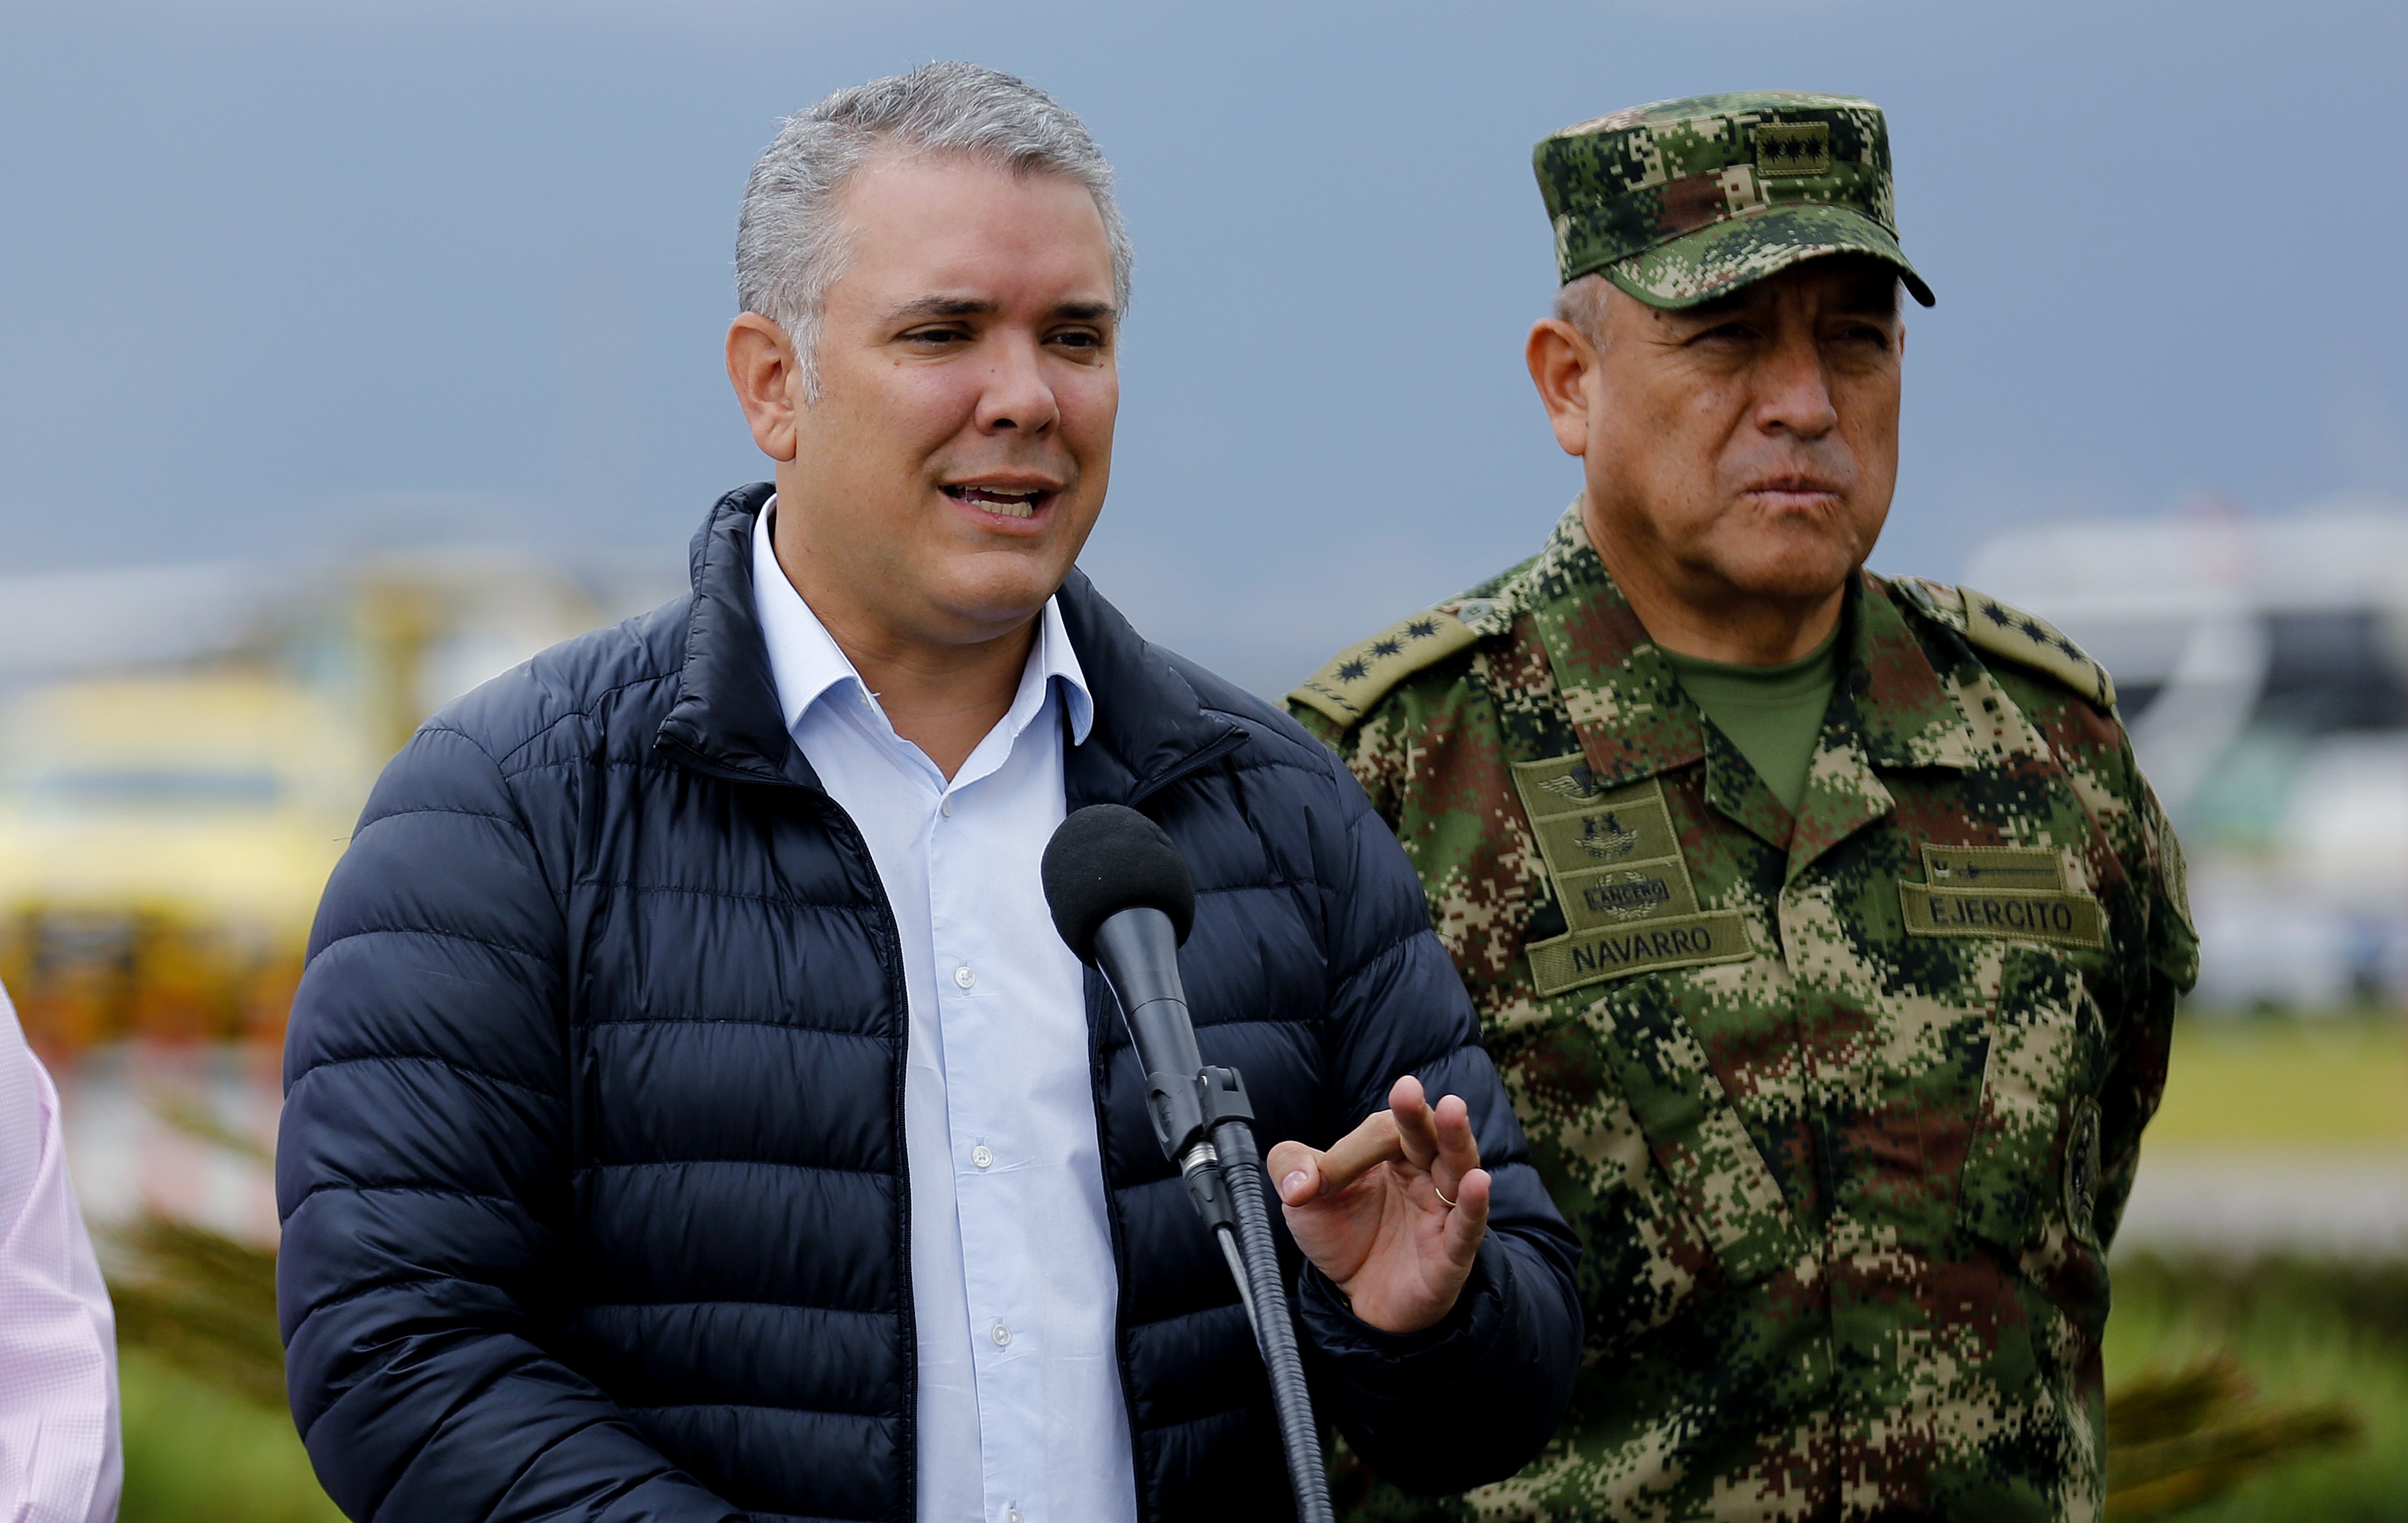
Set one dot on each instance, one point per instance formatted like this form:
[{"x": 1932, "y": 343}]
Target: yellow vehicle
[{"x": 163, "y": 843}]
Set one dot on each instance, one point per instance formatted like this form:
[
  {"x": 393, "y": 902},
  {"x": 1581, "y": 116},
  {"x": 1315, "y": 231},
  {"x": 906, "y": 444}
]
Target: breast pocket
[
  {"x": 1701, "y": 1147},
  {"x": 2030, "y": 1182}
]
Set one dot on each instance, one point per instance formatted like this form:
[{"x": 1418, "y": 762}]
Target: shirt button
[
  {"x": 963, "y": 977},
  {"x": 947, "y": 806},
  {"x": 1002, "y": 1336},
  {"x": 1011, "y": 1514},
  {"x": 980, "y": 1155}
]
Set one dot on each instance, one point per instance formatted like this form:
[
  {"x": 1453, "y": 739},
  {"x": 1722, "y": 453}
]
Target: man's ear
[
  {"x": 761, "y": 367},
  {"x": 1561, "y": 360}
]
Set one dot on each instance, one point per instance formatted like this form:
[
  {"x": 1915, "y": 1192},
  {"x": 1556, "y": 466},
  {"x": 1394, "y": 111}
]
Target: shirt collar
[{"x": 805, "y": 660}]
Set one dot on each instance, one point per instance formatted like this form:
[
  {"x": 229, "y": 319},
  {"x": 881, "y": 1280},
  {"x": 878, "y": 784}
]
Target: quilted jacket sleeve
[
  {"x": 423, "y": 1177},
  {"x": 1475, "y": 1397}
]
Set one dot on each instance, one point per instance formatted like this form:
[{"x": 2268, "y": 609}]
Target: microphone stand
[{"x": 1205, "y": 1127}]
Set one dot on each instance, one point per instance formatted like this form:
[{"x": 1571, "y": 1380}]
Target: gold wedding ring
[{"x": 1441, "y": 1194}]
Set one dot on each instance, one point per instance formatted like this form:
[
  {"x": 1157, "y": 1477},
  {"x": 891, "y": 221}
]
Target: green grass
[
  {"x": 196, "y": 1453},
  {"x": 2339, "y": 1082},
  {"x": 2307, "y": 1332}
]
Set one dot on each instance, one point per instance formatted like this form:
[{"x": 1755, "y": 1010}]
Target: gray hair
[
  {"x": 790, "y": 244},
  {"x": 1583, "y": 304}
]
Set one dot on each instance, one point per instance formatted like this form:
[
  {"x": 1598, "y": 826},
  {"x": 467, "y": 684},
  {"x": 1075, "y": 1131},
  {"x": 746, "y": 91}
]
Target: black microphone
[{"x": 1123, "y": 899}]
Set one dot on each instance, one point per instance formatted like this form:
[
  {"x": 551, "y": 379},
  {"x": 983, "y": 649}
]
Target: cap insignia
[{"x": 1789, "y": 149}]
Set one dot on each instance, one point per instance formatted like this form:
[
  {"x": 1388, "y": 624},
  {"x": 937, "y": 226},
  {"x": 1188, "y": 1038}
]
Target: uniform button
[
  {"x": 963, "y": 977},
  {"x": 980, "y": 1155},
  {"x": 1002, "y": 1336},
  {"x": 1011, "y": 1514}
]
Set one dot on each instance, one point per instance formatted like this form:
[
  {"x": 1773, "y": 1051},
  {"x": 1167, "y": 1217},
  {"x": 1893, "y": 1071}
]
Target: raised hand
[{"x": 1395, "y": 1212}]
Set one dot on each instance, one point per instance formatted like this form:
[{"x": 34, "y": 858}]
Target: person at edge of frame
[
  {"x": 692, "y": 1112},
  {"x": 1822, "y": 924}
]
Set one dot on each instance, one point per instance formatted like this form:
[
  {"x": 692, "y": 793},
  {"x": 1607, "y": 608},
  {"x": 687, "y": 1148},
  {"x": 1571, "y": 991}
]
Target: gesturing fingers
[
  {"x": 1468, "y": 1220},
  {"x": 1457, "y": 1151},
  {"x": 1432, "y": 1140},
  {"x": 1416, "y": 1134},
  {"x": 1302, "y": 1173}
]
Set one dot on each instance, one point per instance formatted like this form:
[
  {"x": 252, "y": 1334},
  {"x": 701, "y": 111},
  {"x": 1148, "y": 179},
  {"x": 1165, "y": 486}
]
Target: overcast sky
[{"x": 280, "y": 278}]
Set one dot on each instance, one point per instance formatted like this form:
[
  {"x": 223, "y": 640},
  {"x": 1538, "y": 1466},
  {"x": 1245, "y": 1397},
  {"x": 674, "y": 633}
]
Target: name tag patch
[
  {"x": 1567, "y": 962},
  {"x": 1619, "y": 877},
  {"x": 2065, "y": 919}
]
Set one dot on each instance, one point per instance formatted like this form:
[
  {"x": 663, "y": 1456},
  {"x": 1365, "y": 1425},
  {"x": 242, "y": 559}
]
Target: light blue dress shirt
[{"x": 1021, "y": 1415}]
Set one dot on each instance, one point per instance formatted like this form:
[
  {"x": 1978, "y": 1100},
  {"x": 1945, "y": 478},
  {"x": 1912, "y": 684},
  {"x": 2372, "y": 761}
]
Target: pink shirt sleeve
[{"x": 59, "y": 1457}]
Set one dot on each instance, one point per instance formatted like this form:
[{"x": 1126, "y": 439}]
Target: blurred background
[{"x": 355, "y": 353}]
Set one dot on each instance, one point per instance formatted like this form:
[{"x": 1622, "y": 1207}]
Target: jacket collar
[
  {"x": 726, "y": 720},
  {"x": 1149, "y": 726}
]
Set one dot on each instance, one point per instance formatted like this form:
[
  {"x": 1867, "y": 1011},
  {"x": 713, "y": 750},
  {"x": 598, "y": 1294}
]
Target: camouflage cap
[{"x": 1682, "y": 201}]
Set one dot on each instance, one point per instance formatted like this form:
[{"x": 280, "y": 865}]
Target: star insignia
[
  {"x": 1996, "y": 614},
  {"x": 1386, "y": 648},
  {"x": 2033, "y": 631},
  {"x": 1420, "y": 629},
  {"x": 1353, "y": 672}
]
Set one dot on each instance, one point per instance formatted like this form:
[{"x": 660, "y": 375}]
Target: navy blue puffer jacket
[{"x": 592, "y": 1171}]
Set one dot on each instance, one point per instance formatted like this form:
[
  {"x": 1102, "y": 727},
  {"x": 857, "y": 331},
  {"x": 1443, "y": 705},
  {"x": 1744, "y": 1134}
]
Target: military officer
[{"x": 1823, "y": 927}]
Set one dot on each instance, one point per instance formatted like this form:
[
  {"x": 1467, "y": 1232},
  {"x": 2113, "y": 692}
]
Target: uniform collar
[
  {"x": 1890, "y": 710},
  {"x": 1633, "y": 716}
]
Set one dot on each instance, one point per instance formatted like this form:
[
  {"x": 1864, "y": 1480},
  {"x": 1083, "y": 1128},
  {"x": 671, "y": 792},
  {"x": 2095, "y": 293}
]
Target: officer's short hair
[
  {"x": 789, "y": 243},
  {"x": 1582, "y": 304}
]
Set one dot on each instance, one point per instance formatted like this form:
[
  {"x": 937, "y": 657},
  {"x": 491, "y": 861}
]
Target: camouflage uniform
[{"x": 1844, "y": 1106}]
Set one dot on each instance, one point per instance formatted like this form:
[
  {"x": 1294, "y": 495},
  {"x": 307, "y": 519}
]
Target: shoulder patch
[
  {"x": 1359, "y": 676},
  {"x": 1937, "y": 599},
  {"x": 2009, "y": 632}
]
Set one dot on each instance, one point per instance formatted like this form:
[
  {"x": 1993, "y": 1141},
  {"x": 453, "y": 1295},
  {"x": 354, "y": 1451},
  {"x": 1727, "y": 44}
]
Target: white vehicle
[{"x": 2262, "y": 667}]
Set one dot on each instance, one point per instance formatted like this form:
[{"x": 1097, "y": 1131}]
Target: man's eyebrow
[
  {"x": 1871, "y": 301},
  {"x": 1719, "y": 307},
  {"x": 930, "y": 307}
]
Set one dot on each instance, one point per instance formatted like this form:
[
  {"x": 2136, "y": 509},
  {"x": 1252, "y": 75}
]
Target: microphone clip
[{"x": 1204, "y": 1103}]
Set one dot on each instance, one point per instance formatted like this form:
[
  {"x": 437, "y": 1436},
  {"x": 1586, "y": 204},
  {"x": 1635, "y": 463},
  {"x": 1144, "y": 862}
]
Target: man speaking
[
  {"x": 692, "y": 1112},
  {"x": 1822, "y": 922}
]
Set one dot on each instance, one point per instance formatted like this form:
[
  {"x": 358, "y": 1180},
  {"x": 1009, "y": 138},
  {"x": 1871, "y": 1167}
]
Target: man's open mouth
[{"x": 1004, "y": 501}]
